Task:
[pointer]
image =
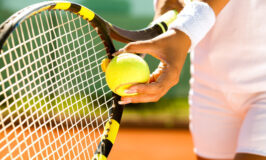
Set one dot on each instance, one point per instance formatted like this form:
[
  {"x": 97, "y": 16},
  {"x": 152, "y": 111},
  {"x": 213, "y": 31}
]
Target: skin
[
  {"x": 171, "y": 49},
  {"x": 162, "y": 47}
]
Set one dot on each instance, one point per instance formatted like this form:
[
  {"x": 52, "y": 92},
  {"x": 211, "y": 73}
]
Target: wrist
[{"x": 195, "y": 20}]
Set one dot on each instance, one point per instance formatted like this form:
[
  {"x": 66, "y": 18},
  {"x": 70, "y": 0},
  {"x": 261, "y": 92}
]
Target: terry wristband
[{"x": 195, "y": 20}]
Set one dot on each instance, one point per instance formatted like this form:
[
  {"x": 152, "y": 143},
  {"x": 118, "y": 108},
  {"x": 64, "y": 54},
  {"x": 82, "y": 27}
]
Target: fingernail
[
  {"x": 124, "y": 102},
  {"x": 128, "y": 91},
  {"x": 118, "y": 52}
]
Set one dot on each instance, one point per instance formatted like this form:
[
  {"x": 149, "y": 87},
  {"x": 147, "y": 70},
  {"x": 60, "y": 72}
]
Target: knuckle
[
  {"x": 141, "y": 88},
  {"x": 157, "y": 88}
]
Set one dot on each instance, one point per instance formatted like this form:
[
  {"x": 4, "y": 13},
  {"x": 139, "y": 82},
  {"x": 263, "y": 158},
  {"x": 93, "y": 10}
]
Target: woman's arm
[{"x": 170, "y": 48}]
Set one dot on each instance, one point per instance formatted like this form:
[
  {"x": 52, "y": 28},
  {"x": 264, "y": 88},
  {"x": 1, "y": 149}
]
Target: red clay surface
[
  {"x": 131, "y": 144},
  {"x": 152, "y": 144}
]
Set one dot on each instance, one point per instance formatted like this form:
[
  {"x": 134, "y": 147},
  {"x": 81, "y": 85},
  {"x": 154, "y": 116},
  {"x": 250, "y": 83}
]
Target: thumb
[{"x": 140, "y": 47}]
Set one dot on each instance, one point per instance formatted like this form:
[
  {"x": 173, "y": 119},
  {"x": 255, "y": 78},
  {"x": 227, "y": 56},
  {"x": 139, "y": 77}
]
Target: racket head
[
  {"x": 31, "y": 97},
  {"x": 9, "y": 95}
]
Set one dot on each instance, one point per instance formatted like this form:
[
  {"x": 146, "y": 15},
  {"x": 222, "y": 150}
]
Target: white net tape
[{"x": 54, "y": 100}]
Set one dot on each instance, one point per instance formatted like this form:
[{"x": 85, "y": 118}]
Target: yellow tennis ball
[{"x": 125, "y": 70}]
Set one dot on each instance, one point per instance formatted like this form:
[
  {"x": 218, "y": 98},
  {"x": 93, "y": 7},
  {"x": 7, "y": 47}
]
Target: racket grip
[{"x": 167, "y": 18}]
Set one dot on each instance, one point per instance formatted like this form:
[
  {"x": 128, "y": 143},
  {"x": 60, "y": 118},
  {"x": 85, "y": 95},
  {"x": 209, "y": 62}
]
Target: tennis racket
[{"x": 54, "y": 101}]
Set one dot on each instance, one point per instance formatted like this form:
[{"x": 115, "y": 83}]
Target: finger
[
  {"x": 152, "y": 92},
  {"x": 140, "y": 99},
  {"x": 148, "y": 88},
  {"x": 141, "y": 47},
  {"x": 156, "y": 74},
  {"x": 168, "y": 77},
  {"x": 130, "y": 47},
  {"x": 118, "y": 52}
]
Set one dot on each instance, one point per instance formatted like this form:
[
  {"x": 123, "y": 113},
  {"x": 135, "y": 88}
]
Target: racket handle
[{"x": 167, "y": 18}]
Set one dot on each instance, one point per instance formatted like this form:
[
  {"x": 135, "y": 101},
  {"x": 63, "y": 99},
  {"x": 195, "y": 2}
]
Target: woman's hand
[{"x": 171, "y": 49}]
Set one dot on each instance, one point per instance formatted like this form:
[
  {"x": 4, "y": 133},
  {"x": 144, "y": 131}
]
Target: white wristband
[{"x": 195, "y": 20}]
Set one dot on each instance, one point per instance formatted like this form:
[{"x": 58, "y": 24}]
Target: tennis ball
[{"x": 125, "y": 70}]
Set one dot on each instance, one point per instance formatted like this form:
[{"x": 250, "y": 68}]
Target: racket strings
[
  {"x": 49, "y": 62},
  {"x": 54, "y": 100},
  {"x": 32, "y": 73},
  {"x": 47, "y": 44}
]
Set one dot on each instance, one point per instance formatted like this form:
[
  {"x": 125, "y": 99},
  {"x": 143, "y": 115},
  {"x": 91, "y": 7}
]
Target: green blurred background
[{"x": 172, "y": 110}]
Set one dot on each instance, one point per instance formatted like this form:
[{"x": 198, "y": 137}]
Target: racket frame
[{"x": 105, "y": 30}]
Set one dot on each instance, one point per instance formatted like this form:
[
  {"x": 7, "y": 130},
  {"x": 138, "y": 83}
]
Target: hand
[{"x": 171, "y": 49}]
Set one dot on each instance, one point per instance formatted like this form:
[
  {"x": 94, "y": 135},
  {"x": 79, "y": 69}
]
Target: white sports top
[{"x": 232, "y": 56}]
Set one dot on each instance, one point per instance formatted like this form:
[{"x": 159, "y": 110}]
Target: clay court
[
  {"x": 155, "y": 144},
  {"x": 131, "y": 144}
]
